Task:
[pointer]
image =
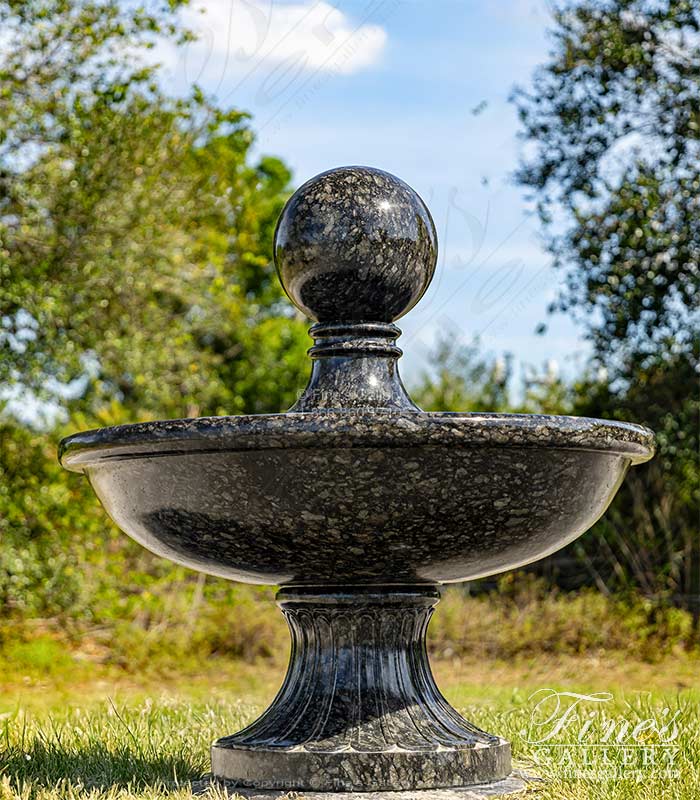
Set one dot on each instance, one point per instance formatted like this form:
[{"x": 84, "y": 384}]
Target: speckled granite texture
[
  {"x": 355, "y": 248},
  {"x": 375, "y": 497},
  {"x": 359, "y": 706},
  {"x": 359, "y": 504},
  {"x": 355, "y": 368},
  {"x": 355, "y": 243}
]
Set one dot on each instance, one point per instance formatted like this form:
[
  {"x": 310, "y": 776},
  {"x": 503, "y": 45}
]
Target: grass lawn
[{"x": 83, "y": 730}]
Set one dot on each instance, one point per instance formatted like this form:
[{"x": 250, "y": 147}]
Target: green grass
[
  {"x": 128, "y": 707},
  {"x": 151, "y": 739}
]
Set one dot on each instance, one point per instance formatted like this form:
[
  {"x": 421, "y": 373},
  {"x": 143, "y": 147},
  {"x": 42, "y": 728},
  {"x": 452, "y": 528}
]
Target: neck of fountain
[{"x": 354, "y": 367}]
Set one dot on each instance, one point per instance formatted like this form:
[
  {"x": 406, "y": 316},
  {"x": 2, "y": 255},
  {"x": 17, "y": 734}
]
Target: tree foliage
[
  {"x": 649, "y": 539},
  {"x": 462, "y": 379},
  {"x": 135, "y": 233},
  {"x": 613, "y": 122},
  {"x": 135, "y": 282}
]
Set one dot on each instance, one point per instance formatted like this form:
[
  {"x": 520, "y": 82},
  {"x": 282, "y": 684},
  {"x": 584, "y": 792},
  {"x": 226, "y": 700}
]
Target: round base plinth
[
  {"x": 352, "y": 771},
  {"x": 359, "y": 710}
]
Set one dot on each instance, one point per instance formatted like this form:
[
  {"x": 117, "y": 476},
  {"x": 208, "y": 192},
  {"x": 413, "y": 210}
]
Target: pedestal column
[{"x": 359, "y": 709}]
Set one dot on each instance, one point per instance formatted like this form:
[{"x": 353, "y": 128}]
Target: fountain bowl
[{"x": 353, "y": 498}]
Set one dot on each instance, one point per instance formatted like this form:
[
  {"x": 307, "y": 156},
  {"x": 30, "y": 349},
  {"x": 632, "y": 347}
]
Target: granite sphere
[{"x": 355, "y": 243}]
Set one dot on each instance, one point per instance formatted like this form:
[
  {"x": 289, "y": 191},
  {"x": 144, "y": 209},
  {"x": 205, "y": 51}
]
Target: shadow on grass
[{"x": 96, "y": 766}]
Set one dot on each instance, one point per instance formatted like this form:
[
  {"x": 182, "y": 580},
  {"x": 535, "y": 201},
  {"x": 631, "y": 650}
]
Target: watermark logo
[{"x": 580, "y": 737}]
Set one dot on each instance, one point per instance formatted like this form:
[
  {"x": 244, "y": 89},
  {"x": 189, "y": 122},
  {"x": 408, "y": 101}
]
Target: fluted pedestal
[{"x": 359, "y": 709}]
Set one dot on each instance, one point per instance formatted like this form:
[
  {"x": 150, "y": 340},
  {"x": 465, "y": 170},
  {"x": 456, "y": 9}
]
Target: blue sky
[{"x": 419, "y": 89}]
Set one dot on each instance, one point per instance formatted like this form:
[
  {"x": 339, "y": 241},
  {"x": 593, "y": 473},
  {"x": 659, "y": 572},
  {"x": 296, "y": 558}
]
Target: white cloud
[{"x": 248, "y": 40}]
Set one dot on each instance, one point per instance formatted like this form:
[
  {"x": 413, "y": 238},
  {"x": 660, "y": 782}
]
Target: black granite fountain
[{"x": 359, "y": 505}]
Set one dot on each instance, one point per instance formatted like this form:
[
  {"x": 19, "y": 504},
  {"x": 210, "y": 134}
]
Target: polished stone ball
[{"x": 355, "y": 243}]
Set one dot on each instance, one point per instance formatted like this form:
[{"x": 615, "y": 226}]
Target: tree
[
  {"x": 461, "y": 379},
  {"x": 612, "y": 123},
  {"x": 135, "y": 280},
  {"x": 135, "y": 234},
  {"x": 613, "y": 120},
  {"x": 649, "y": 538}
]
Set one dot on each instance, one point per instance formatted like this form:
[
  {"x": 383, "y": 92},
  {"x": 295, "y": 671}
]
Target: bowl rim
[{"x": 357, "y": 428}]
